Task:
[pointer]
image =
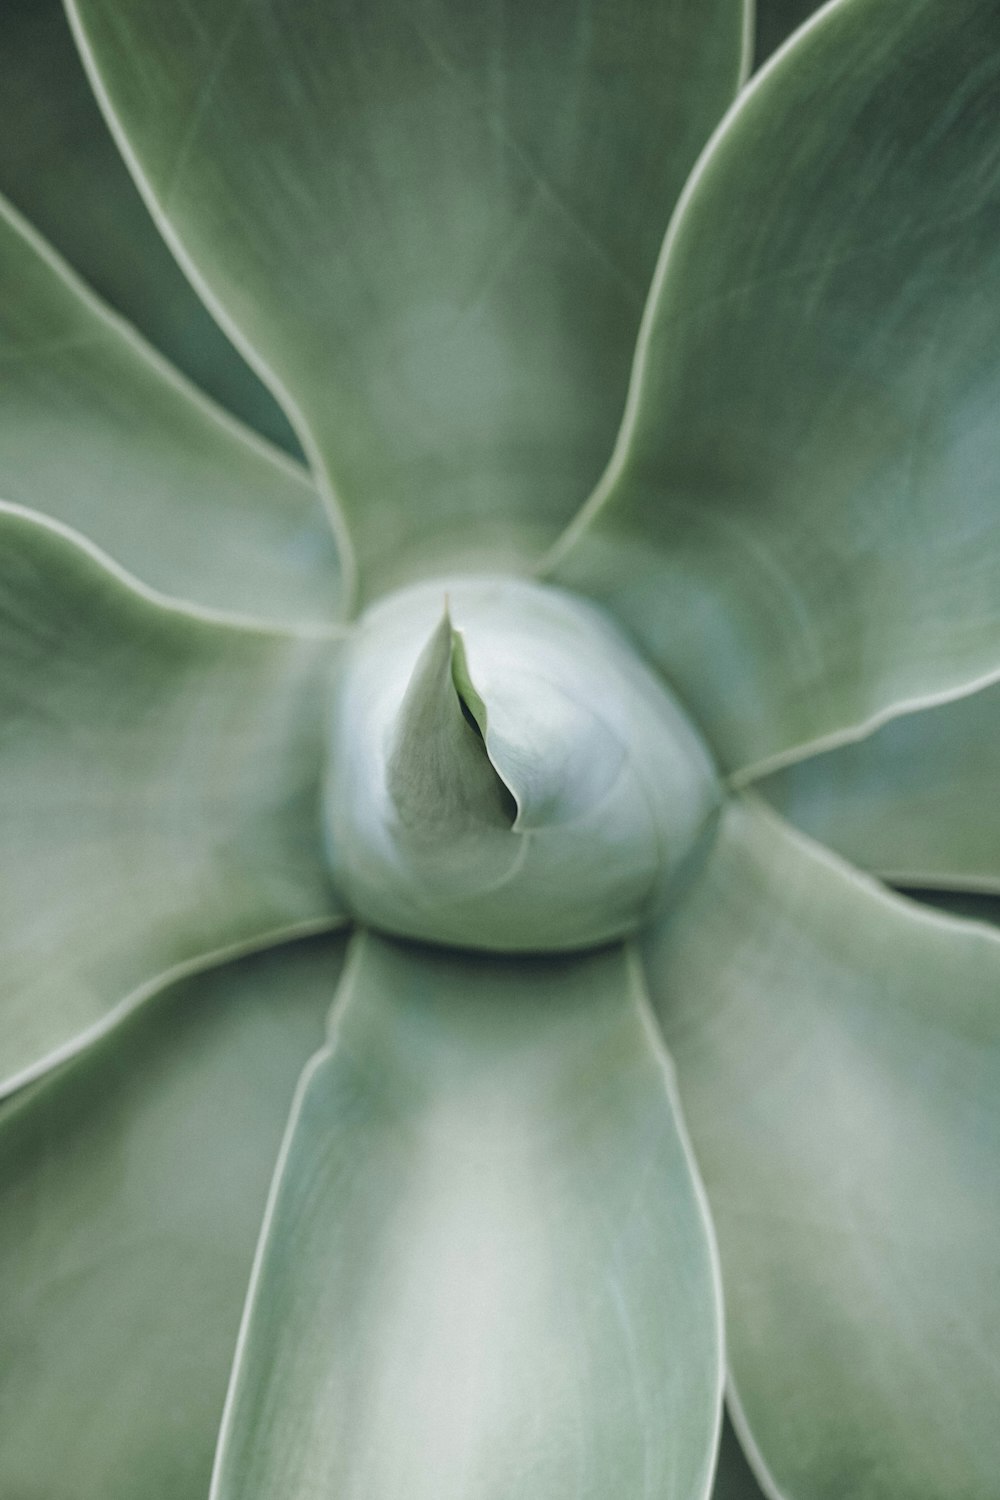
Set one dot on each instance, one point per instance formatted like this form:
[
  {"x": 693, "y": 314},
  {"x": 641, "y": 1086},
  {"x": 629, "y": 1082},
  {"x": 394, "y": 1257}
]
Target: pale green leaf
[
  {"x": 800, "y": 522},
  {"x": 159, "y": 787},
  {"x": 918, "y": 801},
  {"x": 442, "y": 784},
  {"x": 838, "y": 1054},
  {"x": 132, "y": 1186},
  {"x": 434, "y": 225},
  {"x": 486, "y": 1270},
  {"x": 508, "y": 775},
  {"x": 60, "y": 166},
  {"x": 98, "y": 432}
]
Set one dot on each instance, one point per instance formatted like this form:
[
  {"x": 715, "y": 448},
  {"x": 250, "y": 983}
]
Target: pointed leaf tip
[{"x": 439, "y": 775}]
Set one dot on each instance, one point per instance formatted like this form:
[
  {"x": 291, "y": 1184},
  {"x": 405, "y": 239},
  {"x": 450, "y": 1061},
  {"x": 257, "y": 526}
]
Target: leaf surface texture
[
  {"x": 433, "y": 224},
  {"x": 159, "y": 783},
  {"x": 132, "y": 1184},
  {"x": 60, "y": 166},
  {"x": 98, "y": 432},
  {"x": 800, "y": 522},
  {"x": 838, "y": 1054},
  {"x": 486, "y": 1269}
]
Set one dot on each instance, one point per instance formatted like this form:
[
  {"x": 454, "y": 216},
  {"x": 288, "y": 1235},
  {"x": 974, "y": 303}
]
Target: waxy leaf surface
[
  {"x": 159, "y": 787},
  {"x": 132, "y": 1185},
  {"x": 100, "y": 433},
  {"x": 838, "y": 1055},
  {"x": 801, "y": 523},
  {"x": 59, "y": 165},
  {"x": 434, "y": 225},
  {"x": 918, "y": 801},
  {"x": 486, "y": 1270}
]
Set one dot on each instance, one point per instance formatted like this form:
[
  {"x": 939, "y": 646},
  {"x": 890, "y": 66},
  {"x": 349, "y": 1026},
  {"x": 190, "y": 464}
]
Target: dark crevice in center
[
  {"x": 507, "y": 802},
  {"x": 470, "y": 719}
]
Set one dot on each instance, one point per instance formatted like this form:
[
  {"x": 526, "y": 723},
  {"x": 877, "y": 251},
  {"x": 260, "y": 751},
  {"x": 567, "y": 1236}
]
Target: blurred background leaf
[{"x": 61, "y": 168}]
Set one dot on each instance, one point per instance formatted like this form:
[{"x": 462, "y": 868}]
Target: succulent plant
[{"x": 531, "y": 731}]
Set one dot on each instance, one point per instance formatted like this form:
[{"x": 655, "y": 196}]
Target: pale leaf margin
[
  {"x": 875, "y": 889},
  {"x": 650, "y": 1028},
  {"x": 162, "y": 367},
  {"x": 897, "y": 708},
  {"x": 215, "y": 957},
  {"x": 257, "y": 363}
]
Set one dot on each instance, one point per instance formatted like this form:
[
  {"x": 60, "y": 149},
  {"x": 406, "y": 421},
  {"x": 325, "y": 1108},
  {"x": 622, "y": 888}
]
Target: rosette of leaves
[{"x": 524, "y": 762}]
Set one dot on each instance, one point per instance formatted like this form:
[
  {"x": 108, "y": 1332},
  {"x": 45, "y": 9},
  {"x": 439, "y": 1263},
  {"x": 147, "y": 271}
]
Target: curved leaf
[
  {"x": 838, "y": 1052},
  {"x": 918, "y": 801},
  {"x": 433, "y": 225},
  {"x": 60, "y": 166},
  {"x": 486, "y": 1270},
  {"x": 159, "y": 791},
  {"x": 132, "y": 1184},
  {"x": 97, "y": 431},
  {"x": 800, "y": 522},
  {"x": 576, "y": 812}
]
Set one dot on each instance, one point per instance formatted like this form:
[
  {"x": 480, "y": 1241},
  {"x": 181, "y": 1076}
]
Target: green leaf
[
  {"x": 60, "y": 166},
  {"x": 485, "y": 1270},
  {"x": 132, "y": 1185},
  {"x": 159, "y": 787},
  {"x": 509, "y": 777},
  {"x": 443, "y": 787},
  {"x": 433, "y": 225},
  {"x": 918, "y": 802},
  {"x": 97, "y": 431},
  {"x": 838, "y": 1053},
  {"x": 800, "y": 522}
]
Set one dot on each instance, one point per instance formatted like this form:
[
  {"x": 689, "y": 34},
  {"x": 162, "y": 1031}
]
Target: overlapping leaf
[
  {"x": 98, "y": 432},
  {"x": 60, "y": 167},
  {"x": 838, "y": 1053},
  {"x": 132, "y": 1184},
  {"x": 434, "y": 225},
  {"x": 800, "y": 523},
  {"x": 918, "y": 801},
  {"x": 159, "y": 785},
  {"x": 485, "y": 1270}
]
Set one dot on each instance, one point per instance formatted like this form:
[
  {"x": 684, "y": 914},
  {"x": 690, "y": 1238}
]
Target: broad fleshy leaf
[
  {"x": 432, "y": 224},
  {"x": 99, "y": 432},
  {"x": 132, "y": 1186},
  {"x": 800, "y": 522},
  {"x": 159, "y": 789},
  {"x": 486, "y": 1270},
  {"x": 61, "y": 168},
  {"x": 918, "y": 801},
  {"x": 838, "y": 1054}
]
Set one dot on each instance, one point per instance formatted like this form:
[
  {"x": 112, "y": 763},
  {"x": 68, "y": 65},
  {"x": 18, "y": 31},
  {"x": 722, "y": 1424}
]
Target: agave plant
[{"x": 531, "y": 761}]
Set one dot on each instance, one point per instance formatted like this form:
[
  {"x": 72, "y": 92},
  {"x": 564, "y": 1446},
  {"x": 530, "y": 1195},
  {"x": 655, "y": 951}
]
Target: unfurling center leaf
[
  {"x": 439, "y": 775},
  {"x": 505, "y": 773}
]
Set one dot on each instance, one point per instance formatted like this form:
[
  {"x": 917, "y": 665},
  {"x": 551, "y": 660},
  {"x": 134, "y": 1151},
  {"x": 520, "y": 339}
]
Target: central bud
[{"x": 505, "y": 772}]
